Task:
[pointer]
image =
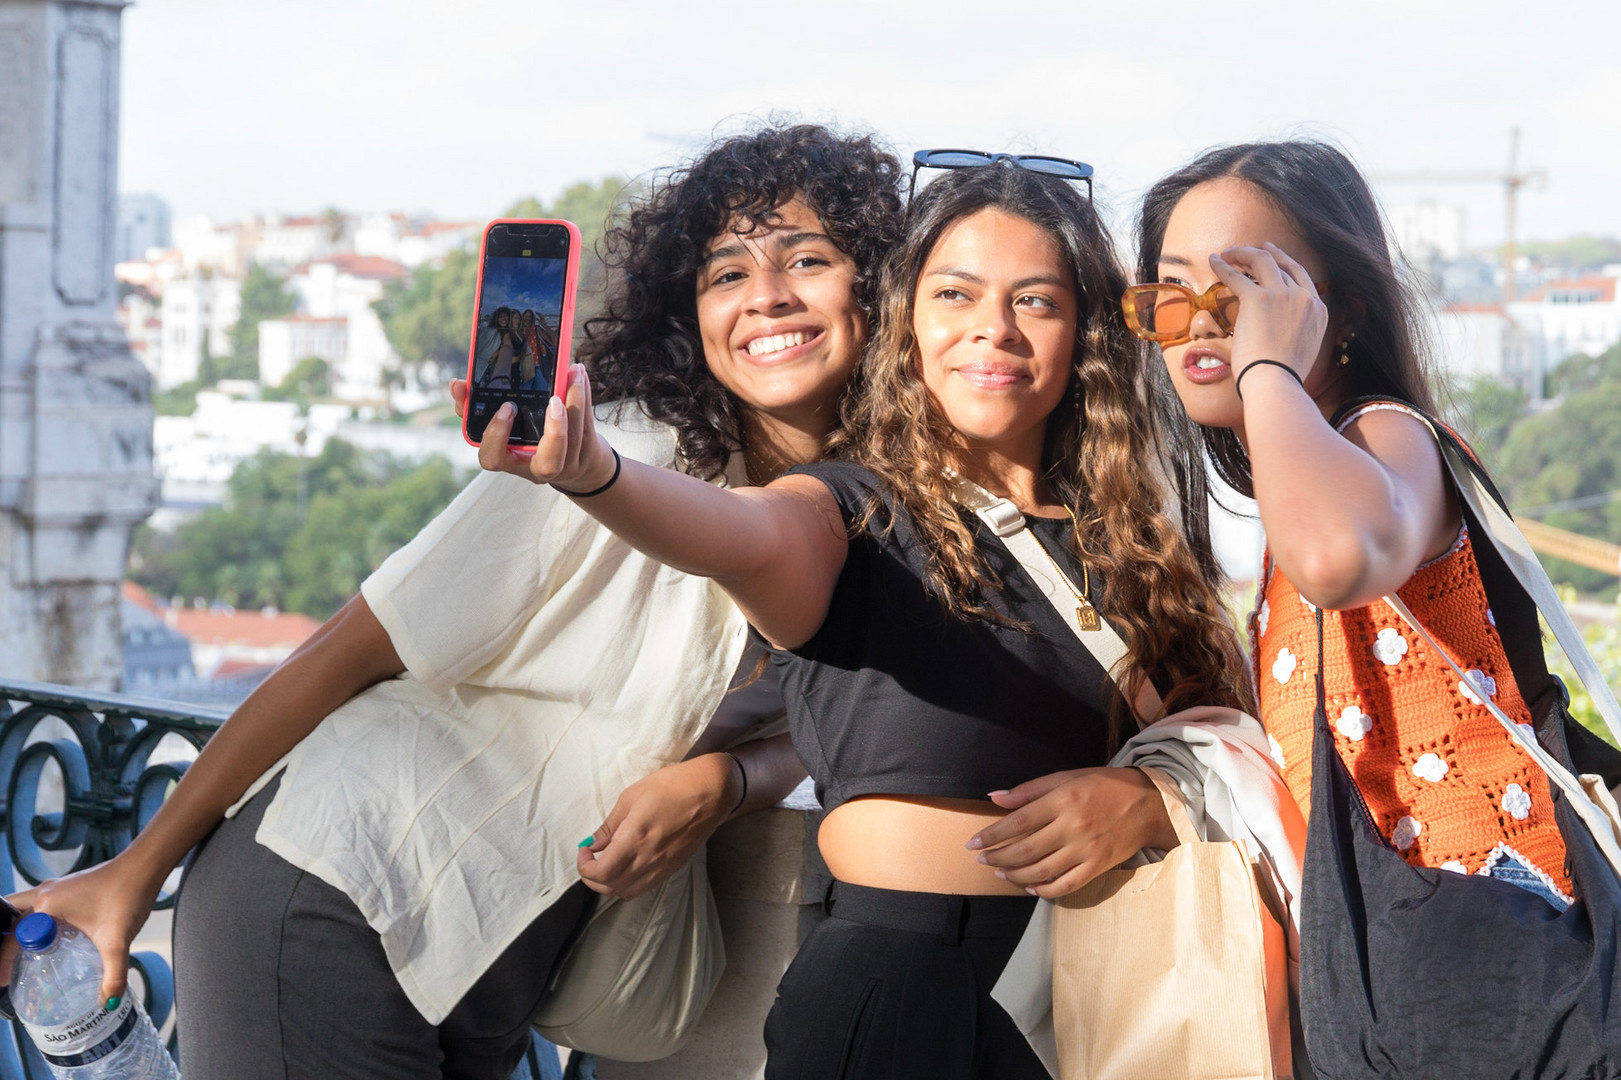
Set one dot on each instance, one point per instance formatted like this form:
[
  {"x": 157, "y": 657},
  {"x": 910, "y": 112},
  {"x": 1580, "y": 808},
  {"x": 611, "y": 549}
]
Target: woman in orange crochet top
[{"x": 1272, "y": 293}]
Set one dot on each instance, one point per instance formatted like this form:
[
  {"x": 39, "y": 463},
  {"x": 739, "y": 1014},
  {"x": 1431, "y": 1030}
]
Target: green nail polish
[
  {"x": 587, "y": 842},
  {"x": 113, "y": 1002}
]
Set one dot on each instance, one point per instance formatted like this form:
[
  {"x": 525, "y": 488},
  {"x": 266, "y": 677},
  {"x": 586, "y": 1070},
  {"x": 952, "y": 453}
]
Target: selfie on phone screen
[{"x": 520, "y": 336}]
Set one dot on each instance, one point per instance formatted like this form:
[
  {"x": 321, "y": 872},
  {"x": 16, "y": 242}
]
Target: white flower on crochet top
[
  {"x": 1490, "y": 617},
  {"x": 1475, "y": 683},
  {"x": 1263, "y": 616},
  {"x": 1389, "y": 647},
  {"x": 1430, "y": 767},
  {"x": 1276, "y": 748},
  {"x": 1405, "y": 834},
  {"x": 1354, "y": 724},
  {"x": 1283, "y": 666},
  {"x": 1517, "y": 802},
  {"x": 1455, "y": 866},
  {"x": 1528, "y": 731},
  {"x": 1311, "y": 607}
]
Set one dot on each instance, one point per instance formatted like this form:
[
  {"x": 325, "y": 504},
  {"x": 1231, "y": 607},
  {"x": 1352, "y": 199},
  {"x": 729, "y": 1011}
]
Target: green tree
[
  {"x": 296, "y": 533},
  {"x": 429, "y": 316},
  {"x": 1485, "y": 412},
  {"x": 264, "y": 296},
  {"x": 309, "y": 380}
]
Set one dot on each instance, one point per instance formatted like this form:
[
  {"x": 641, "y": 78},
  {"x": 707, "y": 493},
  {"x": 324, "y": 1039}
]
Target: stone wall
[{"x": 75, "y": 413}]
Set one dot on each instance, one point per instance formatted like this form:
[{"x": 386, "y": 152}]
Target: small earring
[{"x": 1345, "y": 349}]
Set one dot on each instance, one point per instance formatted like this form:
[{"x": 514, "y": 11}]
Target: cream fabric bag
[
  {"x": 1172, "y": 969},
  {"x": 637, "y": 981}
]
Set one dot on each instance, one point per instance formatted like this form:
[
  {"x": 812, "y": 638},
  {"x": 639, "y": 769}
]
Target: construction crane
[
  {"x": 1514, "y": 180},
  {"x": 1599, "y": 555}
]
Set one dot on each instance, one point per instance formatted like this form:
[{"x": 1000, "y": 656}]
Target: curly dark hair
[{"x": 646, "y": 344}]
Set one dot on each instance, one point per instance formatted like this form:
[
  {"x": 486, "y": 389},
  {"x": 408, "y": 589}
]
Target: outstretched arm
[
  {"x": 111, "y": 902},
  {"x": 1347, "y": 517},
  {"x": 776, "y": 550}
]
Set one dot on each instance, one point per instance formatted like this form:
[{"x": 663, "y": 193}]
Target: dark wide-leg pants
[
  {"x": 279, "y": 977},
  {"x": 895, "y": 985}
]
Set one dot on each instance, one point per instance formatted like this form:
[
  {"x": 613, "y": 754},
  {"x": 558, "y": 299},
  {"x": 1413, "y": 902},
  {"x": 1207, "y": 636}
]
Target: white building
[
  {"x": 1429, "y": 231},
  {"x": 434, "y": 240},
  {"x": 1568, "y": 316},
  {"x": 345, "y": 287},
  {"x": 195, "y": 455},
  {"x": 284, "y": 342},
  {"x": 286, "y": 242},
  {"x": 194, "y": 308},
  {"x": 140, "y": 316},
  {"x": 1481, "y": 341},
  {"x": 204, "y": 245}
]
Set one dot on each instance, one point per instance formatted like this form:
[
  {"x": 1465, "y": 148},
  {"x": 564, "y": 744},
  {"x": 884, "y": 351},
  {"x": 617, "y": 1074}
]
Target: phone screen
[{"x": 521, "y": 332}]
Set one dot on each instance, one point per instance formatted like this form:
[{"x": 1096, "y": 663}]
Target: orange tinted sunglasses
[{"x": 1163, "y": 311}]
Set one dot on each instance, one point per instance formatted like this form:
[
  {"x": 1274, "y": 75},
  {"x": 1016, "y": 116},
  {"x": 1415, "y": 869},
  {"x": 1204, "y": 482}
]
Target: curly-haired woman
[
  {"x": 931, "y": 687},
  {"x": 401, "y": 872}
]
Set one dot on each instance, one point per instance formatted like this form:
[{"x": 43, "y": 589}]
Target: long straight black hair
[{"x": 1328, "y": 202}]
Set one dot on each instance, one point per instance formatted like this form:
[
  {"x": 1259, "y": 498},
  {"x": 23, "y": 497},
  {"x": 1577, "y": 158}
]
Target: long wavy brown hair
[{"x": 1111, "y": 454}]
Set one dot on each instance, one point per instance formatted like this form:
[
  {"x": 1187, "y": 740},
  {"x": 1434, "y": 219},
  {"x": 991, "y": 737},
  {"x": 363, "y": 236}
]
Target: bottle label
[{"x": 90, "y": 1038}]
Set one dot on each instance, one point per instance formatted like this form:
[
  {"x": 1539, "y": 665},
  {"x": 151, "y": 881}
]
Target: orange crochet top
[{"x": 1442, "y": 779}]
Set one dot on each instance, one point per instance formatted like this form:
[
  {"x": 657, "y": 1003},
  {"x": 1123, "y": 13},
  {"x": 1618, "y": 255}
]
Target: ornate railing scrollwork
[
  {"x": 79, "y": 776},
  {"x": 90, "y": 758}
]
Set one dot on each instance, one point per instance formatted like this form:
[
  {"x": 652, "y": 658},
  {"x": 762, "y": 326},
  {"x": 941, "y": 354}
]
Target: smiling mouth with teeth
[
  {"x": 1205, "y": 363},
  {"x": 776, "y": 343}
]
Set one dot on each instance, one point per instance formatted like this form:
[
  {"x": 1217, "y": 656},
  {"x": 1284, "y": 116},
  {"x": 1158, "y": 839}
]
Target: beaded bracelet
[
  {"x": 612, "y": 480},
  {"x": 1253, "y": 364}
]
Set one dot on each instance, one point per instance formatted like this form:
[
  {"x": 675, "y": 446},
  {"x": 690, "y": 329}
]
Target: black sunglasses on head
[{"x": 1063, "y": 168}]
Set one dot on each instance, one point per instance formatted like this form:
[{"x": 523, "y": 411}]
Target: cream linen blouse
[{"x": 548, "y": 666}]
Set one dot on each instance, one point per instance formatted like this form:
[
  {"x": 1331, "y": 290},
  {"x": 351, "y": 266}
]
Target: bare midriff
[{"x": 913, "y": 844}]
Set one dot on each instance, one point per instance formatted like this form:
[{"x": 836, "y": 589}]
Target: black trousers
[
  {"x": 278, "y": 977},
  {"x": 894, "y": 985}
]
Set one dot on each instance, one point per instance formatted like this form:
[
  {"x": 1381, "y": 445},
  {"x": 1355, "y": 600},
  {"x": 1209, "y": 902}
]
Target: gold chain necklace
[{"x": 1086, "y": 616}]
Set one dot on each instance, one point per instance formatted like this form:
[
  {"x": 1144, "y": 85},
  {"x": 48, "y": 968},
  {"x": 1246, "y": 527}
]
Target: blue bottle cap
[{"x": 36, "y": 931}]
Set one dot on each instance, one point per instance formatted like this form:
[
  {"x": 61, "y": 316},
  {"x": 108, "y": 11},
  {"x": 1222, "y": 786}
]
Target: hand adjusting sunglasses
[
  {"x": 1162, "y": 311},
  {"x": 1063, "y": 168}
]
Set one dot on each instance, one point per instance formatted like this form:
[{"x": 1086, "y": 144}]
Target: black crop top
[{"x": 894, "y": 695}]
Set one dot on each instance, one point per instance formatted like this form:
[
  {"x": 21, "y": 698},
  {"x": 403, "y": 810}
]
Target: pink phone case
[{"x": 565, "y": 327}]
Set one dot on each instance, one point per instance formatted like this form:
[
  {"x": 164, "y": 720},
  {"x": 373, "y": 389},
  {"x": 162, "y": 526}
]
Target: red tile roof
[
  {"x": 1476, "y": 308},
  {"x": 250, "y": 628},
  {"x": 365, "y": 266},
  {"x": 1603, "y": 286}
]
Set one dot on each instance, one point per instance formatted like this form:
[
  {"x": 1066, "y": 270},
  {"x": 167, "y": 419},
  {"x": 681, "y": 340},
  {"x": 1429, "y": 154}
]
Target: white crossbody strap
[
  {"x": 1516, "y": 552},
  {"x": 1007, "y": 522},
  {"x": 1597, "y": 821}
]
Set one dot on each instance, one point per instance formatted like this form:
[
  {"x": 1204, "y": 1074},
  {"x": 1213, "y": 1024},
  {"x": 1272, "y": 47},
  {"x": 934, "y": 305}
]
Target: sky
[{"x": 460, "y": 107}]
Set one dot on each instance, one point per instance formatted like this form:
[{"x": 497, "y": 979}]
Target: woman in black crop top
[{"x": 956, "y": 730}]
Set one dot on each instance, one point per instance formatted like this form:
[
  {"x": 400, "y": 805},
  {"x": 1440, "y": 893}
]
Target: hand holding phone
[{"x": 523, "y": 317}]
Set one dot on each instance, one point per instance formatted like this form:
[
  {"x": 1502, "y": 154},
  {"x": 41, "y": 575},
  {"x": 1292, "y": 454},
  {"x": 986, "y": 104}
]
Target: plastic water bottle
[{"x": 56, "y": 992}]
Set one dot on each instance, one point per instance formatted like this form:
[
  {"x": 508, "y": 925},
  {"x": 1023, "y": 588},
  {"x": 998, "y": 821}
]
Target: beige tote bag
[
  {"x": 1174, "y": 970},
  {"x": 638, "y": 979}
]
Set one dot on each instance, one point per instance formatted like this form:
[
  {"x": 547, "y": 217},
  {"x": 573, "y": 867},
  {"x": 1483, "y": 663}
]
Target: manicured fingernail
[
  {"x": 974, "y": 843},
  {"x": 1001, "y": 874},
  {"x": 982, "y": 860},
  {"x": 1216, "y": 258},
  {"x": 507, "y": 410},
  {"x": 586, "y": 842},
  {"x": 554, "y": 408},
  {"x": 1031, "y": 891},
  {"x": 994, "y": 794},
  {"x": 113, "y": 1002}
]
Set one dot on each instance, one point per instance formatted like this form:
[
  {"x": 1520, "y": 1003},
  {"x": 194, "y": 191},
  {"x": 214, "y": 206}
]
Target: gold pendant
[{"x": 1086, "y": 616}]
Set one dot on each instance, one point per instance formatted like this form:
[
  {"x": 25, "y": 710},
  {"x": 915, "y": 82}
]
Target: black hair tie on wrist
[
  {"x": 1251, "y": 366},
  {"x": 612, "y": 480}
]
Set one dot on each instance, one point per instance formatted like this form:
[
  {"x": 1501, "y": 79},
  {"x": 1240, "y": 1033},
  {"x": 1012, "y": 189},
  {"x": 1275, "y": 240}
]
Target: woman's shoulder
[{"x": 855, "y": 487}]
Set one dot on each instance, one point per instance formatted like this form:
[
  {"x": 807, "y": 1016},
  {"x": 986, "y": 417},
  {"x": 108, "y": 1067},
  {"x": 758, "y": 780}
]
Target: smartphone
[{"x": 528, "y": 273}]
